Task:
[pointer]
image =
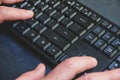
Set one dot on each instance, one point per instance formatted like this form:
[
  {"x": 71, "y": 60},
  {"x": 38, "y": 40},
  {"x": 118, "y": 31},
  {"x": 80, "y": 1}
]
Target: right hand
[{"x": 68, "y": 69}]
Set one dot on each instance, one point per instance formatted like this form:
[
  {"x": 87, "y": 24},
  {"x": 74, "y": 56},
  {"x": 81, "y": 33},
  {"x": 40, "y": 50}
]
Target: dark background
[{"x": 16, "y": 58}]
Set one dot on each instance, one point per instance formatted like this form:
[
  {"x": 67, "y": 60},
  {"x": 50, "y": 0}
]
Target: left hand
[{"x": 9, "y": 13}]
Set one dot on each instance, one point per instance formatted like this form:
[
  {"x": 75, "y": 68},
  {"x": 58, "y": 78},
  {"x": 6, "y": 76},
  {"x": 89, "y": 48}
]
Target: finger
[
  {"x": 7, "y": 13},
  {"x": 36, "y": 74},
  {"x": 107, "y": 75},
  {"x": 10, "y": 1},
  {"x": 70, "y": 67}
]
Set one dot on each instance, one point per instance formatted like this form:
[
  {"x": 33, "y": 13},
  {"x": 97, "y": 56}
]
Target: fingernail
[
  {"x": 30, "y": 12},
  {"x": 39, "y": 66},
  {"x": 94, "y": 60}
]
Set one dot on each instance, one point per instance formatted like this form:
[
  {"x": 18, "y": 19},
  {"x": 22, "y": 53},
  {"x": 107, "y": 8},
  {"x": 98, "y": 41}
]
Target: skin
[{"x": 65, "y": 70}]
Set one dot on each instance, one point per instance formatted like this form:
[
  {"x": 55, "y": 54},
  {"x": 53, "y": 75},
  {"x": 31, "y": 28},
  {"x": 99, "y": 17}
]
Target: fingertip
[
  {"x": 41, "y": 65},
  {"x": 30, "y": 13},
  {"x": 93, "y": 60}
]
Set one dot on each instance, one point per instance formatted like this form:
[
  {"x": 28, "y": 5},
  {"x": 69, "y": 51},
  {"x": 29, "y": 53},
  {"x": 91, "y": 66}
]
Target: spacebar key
[{"x": 83, "y": 21}]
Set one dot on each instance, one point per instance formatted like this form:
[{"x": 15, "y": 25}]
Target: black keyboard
[{"x": 61, "y": 29}]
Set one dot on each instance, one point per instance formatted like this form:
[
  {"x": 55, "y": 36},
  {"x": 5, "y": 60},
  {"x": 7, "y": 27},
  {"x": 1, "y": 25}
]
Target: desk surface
[{"x": 16, "y": 59}]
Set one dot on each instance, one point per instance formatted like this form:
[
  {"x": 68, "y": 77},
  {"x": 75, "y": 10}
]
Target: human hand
[
  {"x": 69, "y": 68},
  {"x": 9, "y": 13}
]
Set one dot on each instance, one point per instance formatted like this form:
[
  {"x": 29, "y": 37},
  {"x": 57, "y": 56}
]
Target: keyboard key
[
  {"x": 99, "y": 31},
  {"x": 108, "y": 37},
  {"x": 70, "y": 13},
  {"x": 50, "y": 11},
  {"x": 58, "y": 16},
  {"x": 62, "y": 8},
  {"x": 70, "y": 2},
  {"x": 32, "y": 22},
  {"x": 66, "y": 22},
  {"x": 77, "y": 29},
  {"x": 64, "y": 57},
  {"x": 91, "y": 38},
  {"x": 67, "y": 34},
  {"x": 54, "y": 51},
  {"x": 77, "y": 6},
  {"x": 44, "y": 18},
  {"x": 40, "y": 28},
  {"x": 22, "y": 28},
  {"x": 116, "y": 43},
  {"x": 83, "y": 21},
  {"x": 114, "y": 65},
  {"x": 37, "y": 13},
  {"x": 100, "y": 44},
  {"x": 115, "y": 29},
  {"x": 32, "y": 35},
  {"x": 43, "y": 43},
  {"x": 106, "y": 24},
  {"x": 42, "y": 5},
  {"x": 86, "y": 12},
  {"x": 56, "y": 39},
  {"x": 110, "y": 51},
  {"x": 53, "y": 2},
  {"x": 95, "y": 17},
  {"x": 52, "y": 24},
  {"x": 118, "y": 59}
]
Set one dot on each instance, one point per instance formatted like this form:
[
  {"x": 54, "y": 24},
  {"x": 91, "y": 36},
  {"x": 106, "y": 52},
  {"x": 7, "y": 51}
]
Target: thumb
[{"x": 36, "y": 74}]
